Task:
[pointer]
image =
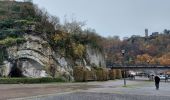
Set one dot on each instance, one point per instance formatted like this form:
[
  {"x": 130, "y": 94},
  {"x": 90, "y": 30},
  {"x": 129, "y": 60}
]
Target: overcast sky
[{"x": 114, "y": 17}]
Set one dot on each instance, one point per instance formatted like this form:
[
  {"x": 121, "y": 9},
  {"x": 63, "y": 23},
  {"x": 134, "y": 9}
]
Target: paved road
[
  {"x": 101, "y": 96},
  {"x": 110, "y": 90}
]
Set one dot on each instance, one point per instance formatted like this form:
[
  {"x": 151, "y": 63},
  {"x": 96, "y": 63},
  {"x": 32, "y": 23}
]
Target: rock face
[
  {"x": 31, "y": 68},
  {"x": 35, "y": 58},
  {"x": 6, "y": 68},
  {"x": 95, "y": 57}
]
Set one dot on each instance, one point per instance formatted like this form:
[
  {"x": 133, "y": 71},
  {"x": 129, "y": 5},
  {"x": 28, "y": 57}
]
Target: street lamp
[{"x": 123, "y": 53}]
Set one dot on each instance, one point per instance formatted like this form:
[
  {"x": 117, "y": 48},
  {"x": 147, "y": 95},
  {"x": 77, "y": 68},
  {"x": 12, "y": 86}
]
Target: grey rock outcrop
[
  {"x": 95, "y": 57},
  {"x": 5, "y": 69},
  {"x": 35, "y": 58}
]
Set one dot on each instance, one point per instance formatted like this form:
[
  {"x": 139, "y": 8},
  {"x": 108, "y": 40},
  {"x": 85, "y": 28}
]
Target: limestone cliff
[{"x": 35, "y": 58}]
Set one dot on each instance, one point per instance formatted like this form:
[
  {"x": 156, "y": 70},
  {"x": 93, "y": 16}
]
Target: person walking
[
  {"x": 166, "y": 78},
  {"x": 157, "y": 80}
]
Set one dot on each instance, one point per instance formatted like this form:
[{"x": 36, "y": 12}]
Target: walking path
[{"x": 62, "y": 91}]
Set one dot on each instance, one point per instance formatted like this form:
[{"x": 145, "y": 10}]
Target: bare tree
[
  {"x": 73, "y": 26},
  {"x": 55, "y": 21}
]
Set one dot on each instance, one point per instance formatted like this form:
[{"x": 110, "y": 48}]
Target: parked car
[{"x": 162, "y": 77}]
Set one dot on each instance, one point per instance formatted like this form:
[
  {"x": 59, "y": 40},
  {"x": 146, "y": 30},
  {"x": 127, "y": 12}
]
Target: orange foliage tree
[
  {"x": 143, "y": 59},
  {"x": 165, "y": 59}
]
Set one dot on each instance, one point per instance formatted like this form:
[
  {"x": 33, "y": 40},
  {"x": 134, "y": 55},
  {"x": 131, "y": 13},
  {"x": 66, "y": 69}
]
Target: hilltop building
[{"x": 146, "y": 32}]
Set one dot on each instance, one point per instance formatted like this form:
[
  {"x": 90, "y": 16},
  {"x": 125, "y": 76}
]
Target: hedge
[
  {"x": 79, "y": 74},
  {"x": 118, "y": 74},
  {"x": 102, "y": 74},
  {"x": 29, "y": 80},
  {"x": 112, "y": 74},
  {"x": 82, "y": 74}
]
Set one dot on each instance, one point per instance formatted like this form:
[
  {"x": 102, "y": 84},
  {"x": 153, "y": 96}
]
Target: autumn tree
[
  {"x": 143, "y": 59},
  {"x": 165, "y": 59}
]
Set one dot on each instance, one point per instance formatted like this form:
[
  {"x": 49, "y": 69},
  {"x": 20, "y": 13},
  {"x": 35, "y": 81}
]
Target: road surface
[{"x": 109, "y": 90}]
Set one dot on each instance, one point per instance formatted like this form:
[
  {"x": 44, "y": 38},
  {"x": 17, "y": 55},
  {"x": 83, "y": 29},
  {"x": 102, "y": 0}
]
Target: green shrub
[
  {"x": 29, "y": 80},
  {"x": 9, "y": 41},
  {"x": 82, "y": 74},
  {"x": 105, "y": 74},
  {"x": 3, "y": 55},
  {"x": 101, "y": 74},
  {"x": 16, "y": 8},
  {"x": 90, "y": 75},
  {"x": 2, "y": 12},
  {"x": 79, "y": 73},
  {"x": 112, "y": 74},
  {"x": 118, "y": 74}
]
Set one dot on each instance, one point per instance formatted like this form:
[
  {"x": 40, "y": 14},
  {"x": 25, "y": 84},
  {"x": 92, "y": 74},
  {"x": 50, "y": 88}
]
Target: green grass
[{"x": 29, "y": 80}]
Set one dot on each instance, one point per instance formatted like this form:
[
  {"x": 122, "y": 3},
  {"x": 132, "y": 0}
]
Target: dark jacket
[{"x": 157, "y": 79}]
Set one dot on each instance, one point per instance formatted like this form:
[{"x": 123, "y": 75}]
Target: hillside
[
  {"x": 153, "y": 49},
  {"x": 35, "y": 44}
]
